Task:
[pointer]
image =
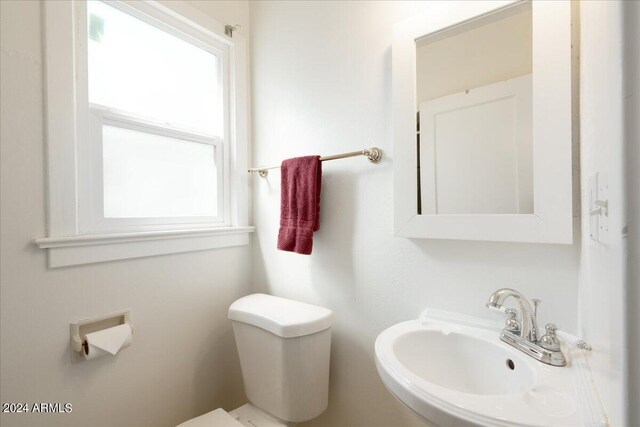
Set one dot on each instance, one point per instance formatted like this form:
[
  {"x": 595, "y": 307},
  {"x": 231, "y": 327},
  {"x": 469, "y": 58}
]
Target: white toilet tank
[{"x": 284, "y": 348}]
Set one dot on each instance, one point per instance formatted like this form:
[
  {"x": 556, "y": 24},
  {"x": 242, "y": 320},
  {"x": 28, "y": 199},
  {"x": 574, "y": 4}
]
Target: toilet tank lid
[{"x": 280, "y": 316}]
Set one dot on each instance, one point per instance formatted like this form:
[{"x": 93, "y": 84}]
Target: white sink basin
[
  {"x": 452, "y": 374},
  {"x": 463, "y": 363}
]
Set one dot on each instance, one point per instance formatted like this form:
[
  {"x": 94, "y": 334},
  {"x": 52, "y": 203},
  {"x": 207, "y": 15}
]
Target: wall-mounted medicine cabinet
[{"x": 482, "y": 122}]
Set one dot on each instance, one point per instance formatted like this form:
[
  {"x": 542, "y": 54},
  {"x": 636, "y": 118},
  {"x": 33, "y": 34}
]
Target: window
[
  {"x": 146, "y": 71},
  {"x": 147, "y": 138},
  {"x": 157, "y": 98}
]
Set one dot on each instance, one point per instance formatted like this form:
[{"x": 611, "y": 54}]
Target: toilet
[{"x": 284, "y": 348}]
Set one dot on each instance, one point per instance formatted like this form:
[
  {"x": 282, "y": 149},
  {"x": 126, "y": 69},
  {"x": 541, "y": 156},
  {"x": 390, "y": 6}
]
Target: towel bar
[{"x": 374, "y": 155}]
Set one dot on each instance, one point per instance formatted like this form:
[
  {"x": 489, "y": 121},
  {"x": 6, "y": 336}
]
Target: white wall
[
  {"x": 182, "y": 362},
  {"x": 602, "y": 151},
  {"x": 230, "y": 12},
  {"x": 322, "y": 85}
]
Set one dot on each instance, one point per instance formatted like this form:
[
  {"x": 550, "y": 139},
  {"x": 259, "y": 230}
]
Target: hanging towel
[{"x": 299, "y": 203}]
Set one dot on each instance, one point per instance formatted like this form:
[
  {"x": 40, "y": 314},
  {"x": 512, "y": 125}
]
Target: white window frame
[{"x": 77, "y": 231}]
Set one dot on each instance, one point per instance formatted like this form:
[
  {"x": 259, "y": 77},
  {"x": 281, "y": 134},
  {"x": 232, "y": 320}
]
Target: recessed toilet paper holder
[{"x": 80, "y": 328}]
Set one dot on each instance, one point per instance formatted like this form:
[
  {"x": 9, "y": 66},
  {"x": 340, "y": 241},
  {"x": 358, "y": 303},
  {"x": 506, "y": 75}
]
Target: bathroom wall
[
  {"x": 321, "y": 84},
  {"x": 602, "y": 266},
  {"x": 182, "y": 362}
]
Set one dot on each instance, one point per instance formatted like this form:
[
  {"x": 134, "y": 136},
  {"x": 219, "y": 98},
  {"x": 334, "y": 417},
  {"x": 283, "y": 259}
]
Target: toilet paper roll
[{"x": 108, "y": 341}]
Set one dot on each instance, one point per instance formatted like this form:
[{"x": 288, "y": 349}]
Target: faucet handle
[
  {"x": 512, "y": 324},
  {"x": 550, "y": 341}
]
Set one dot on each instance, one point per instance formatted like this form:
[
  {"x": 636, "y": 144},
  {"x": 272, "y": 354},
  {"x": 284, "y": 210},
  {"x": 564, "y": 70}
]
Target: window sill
[{"x": 87, "y": 249}]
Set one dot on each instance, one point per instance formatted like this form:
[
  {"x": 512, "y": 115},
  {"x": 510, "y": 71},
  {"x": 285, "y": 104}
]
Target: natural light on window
[
  {"x": 140, "y": 69},
  {"x": 161, "y": 97},
  {"x": 148, "y": 175}
]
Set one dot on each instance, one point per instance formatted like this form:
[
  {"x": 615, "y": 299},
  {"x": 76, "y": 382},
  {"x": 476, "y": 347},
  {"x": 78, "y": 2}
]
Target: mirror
[
  {"x": 482, "y": 122},
  {"x": 473, "y": 93}
]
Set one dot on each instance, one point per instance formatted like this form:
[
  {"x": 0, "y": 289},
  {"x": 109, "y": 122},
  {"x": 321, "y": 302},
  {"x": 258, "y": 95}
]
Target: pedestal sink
[{"x": 455, "y": 374}]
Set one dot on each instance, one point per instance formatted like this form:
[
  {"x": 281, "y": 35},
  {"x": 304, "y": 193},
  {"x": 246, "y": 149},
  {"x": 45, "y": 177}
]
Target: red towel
[{"x": 299, "y": 203}]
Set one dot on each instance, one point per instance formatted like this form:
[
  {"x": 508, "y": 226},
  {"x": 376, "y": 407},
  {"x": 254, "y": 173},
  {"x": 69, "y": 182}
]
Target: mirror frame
[{"x": 552, "y": 219}]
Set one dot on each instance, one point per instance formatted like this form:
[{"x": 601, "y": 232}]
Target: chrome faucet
[
  {"x": 529, "y": 323},
  {"x": 523, "y": 334}
]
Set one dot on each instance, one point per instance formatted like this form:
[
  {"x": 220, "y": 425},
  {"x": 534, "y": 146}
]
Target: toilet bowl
[{"x": 284, "y": 347}]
